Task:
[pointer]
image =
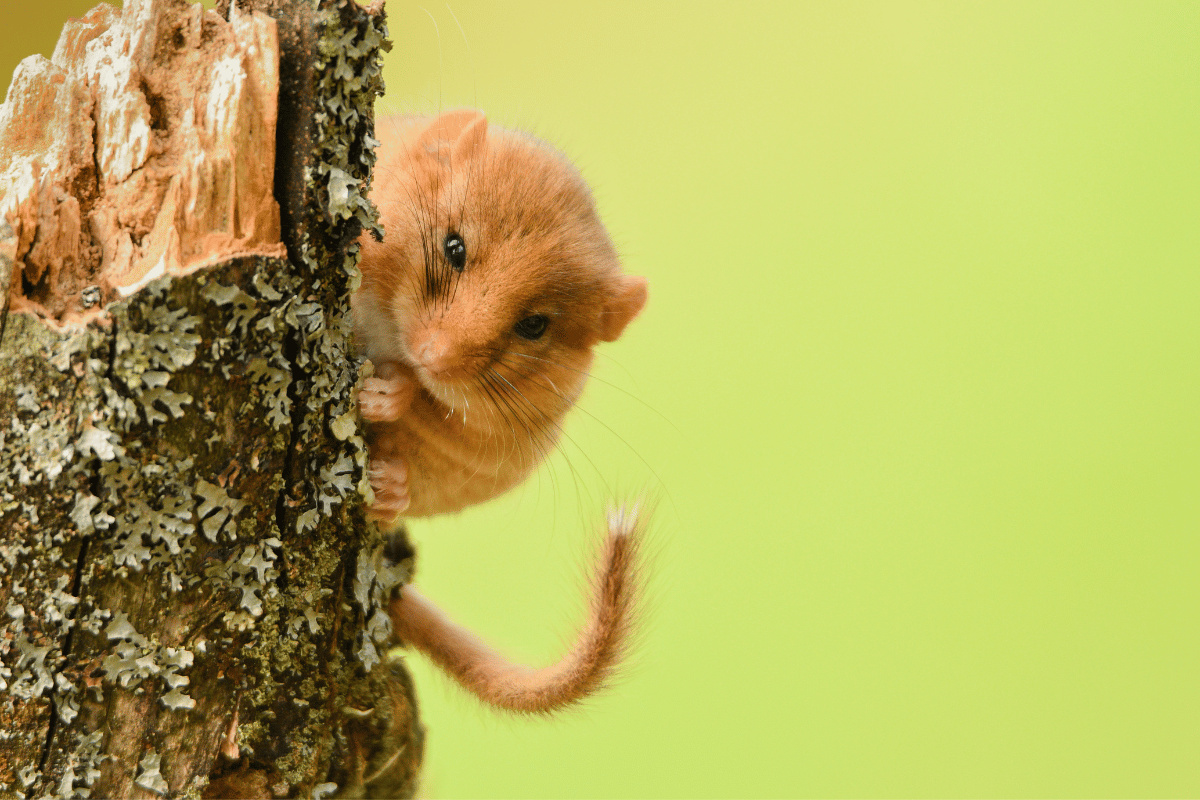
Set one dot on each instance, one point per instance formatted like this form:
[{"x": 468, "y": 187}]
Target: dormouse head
[{"x": 496, "y": 273}]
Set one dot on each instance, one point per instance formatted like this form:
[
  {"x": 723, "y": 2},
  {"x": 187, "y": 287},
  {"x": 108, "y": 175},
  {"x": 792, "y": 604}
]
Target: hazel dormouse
[{"x": 480, "y": 310}]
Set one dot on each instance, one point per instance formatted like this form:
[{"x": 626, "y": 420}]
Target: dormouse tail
[{"x": 515, "y": 687}]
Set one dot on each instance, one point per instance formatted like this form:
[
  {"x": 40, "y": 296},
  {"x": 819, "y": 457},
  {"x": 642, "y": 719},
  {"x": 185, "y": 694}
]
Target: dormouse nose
[
  {"x": 432, "y": 351},
  {"x": 449, "y": 350}
]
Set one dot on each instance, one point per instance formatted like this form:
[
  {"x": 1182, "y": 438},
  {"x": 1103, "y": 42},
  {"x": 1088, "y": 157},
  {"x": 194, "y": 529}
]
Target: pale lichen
[{"x": 149, "y": 776}]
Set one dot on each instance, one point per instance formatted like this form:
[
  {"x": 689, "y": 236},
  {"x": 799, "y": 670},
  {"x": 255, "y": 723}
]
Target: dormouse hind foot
[
  {"x": 389, "y": 481},
  {"x": 388, "y": 395}
]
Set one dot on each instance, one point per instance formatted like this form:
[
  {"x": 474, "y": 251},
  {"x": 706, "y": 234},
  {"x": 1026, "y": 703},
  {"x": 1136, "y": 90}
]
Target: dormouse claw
[
  {"x": 389, "y": 480},
  {"x": 386, "y": 399}
]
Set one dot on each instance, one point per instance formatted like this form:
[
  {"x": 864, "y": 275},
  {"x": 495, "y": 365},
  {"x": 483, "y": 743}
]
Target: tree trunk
[{"x": 193, "y": 600}]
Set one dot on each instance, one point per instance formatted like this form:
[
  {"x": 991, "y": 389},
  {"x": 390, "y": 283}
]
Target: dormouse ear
[
  {"x": 625, "y": 304},
  {"x": 459, "y": 133}
]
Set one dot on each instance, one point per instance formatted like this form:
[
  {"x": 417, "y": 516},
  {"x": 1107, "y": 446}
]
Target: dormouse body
[{"x": 479, "y": 309}]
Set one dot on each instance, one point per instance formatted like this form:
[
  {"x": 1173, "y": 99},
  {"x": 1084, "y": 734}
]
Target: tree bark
[{"x": 193, "y": 601}]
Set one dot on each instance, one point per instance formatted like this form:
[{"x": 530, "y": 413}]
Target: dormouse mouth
[{"x": 453, "y": 394}]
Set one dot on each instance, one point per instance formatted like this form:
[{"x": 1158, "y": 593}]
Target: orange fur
[
  {"x": 466, "y": 401},
  {"x": 480, "y": 406}
]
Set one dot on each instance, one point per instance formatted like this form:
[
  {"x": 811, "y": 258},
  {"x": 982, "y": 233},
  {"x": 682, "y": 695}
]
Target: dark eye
[
  {"x": 456, "y": 250},
  {"x": 532, "y": 327}
]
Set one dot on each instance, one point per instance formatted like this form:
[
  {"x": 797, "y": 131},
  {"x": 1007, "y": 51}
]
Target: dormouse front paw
[
  {"x": 387, "y": 396},
  {"x": 389, "y": 481}
]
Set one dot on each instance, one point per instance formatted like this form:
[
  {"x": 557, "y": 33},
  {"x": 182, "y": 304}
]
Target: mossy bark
[{"x": 186, "y": 569}]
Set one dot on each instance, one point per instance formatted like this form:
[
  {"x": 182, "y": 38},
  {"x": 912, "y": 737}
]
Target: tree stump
[{"x": 193, "y": 600}]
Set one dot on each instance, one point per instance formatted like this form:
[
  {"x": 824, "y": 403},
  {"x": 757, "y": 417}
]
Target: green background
[{"x": 916, "y": 395}]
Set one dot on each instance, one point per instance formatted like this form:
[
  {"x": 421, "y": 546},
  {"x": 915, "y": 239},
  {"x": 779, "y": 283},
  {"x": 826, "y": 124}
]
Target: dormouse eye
[
  {"x": 455, "y": 250},
  {"x": 532, "y": 327}
]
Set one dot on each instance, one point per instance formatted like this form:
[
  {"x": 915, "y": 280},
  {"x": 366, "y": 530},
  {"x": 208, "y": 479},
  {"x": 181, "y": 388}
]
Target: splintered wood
[{"x": 144, "y": 147}]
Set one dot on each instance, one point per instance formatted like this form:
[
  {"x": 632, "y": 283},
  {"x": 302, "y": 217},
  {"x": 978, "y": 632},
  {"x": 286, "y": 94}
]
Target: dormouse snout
[
  {"x": 443, "y": 356},
  {"x": 432, "y": 351}
]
